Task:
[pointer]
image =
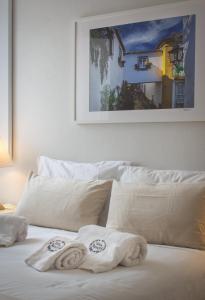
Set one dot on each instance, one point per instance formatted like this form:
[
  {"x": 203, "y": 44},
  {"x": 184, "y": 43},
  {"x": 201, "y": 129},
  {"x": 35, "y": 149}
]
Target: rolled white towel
[
  {"x": 58, "y": 253},
  {"x": 12, "y": 229},
  {"x": 135, "y": 251},
  {"x": 108, "y": 248}
]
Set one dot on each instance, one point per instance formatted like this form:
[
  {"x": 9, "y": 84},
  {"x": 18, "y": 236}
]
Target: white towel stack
[
  {"x": 96, "y": 248},
  {"x": 60, "y": 253},
  {"x": 108, "y": 248},
  {"x": 12, "y": 229}
]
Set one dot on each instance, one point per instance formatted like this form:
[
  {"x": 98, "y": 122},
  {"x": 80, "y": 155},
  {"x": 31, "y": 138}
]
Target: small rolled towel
[
  {"x": 12, "y": 229},
  {"x": 108, "y": 248},
  {"x": 58, "y": 253},
  {"x": 135, "y": 251}
]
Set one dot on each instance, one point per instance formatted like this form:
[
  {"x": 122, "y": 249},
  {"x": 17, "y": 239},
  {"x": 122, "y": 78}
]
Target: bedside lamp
[
  {"x": 4, "y": 160},
  {"x": 4, "y": 155}
]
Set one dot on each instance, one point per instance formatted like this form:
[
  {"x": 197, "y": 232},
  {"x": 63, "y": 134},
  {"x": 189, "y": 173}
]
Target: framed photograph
[
  {"x": 6, "y": 74},
  {"x": 144, "y": 65}
]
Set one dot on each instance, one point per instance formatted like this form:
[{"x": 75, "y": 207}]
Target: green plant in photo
[
  {"x": 108, "y": 98},
  {"x": 125, "y": 97},
  {"x": 178, "y": 70}
]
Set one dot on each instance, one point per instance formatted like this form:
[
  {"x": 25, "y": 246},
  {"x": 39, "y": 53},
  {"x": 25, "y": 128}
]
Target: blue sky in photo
[{"x": 146, "y": 36}]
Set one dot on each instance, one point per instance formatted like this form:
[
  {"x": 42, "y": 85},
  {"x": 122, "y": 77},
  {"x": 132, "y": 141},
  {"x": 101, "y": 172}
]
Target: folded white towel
[
  {"x": 60, "y": 253},
  {"x": 108, "y": 247},
  {"x": 12, "y": 229}
]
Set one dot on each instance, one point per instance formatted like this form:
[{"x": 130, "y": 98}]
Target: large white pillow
[
  {"x": 103, "y": 170},
  {"x": 150, "y": 176},
  {"x": 63, "y": 203},
  {"x": 171, "y": 213},
  {"x": 76, "y": 170}
]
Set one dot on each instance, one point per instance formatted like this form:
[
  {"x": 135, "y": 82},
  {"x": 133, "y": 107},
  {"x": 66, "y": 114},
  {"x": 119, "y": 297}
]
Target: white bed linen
[{"x": 168, "y": 273}]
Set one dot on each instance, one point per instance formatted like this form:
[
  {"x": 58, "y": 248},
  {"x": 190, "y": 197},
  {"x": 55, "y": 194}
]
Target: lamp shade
[{"x": 4, "y": 155}]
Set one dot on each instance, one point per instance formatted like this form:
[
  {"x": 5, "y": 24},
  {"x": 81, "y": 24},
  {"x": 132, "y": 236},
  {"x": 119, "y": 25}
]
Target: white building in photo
[{"x": 142, "y": 69}]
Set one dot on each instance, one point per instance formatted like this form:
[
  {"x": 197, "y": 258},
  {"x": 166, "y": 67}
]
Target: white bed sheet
[{"x": 169, "y": 273}]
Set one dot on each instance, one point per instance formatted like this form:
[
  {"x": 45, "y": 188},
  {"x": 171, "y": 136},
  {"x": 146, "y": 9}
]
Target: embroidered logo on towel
[
  {"x": 55, "y": 245},
  {"x": 97, "y": 246}
]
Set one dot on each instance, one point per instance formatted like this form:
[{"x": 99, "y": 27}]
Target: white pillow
[
  {"x": 128, "y": 174},
  {"x": 104, "y": 170},
  {"x": 164, "y": 213},
  {"x": 63, "y": 203},
  {"x": 76, "y": 170}
]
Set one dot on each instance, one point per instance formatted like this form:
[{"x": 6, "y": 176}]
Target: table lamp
[{"x": 4, "y": 160}]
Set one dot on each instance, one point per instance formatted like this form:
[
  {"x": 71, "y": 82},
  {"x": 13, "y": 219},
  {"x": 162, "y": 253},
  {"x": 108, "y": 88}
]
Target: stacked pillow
[
  {"x": 128, "y": 174},
  {"x": 67, "y": 194},
  {"x": 166, "y": 207},
  {"x": 63, "y": 203},
  {"x": 102, "y": 170},
  {"x": 81, "y": 171},
  {"x": 170, "y": 213}
]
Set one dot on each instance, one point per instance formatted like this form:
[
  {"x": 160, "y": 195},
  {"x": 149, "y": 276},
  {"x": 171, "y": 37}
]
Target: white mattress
[{"x": 169, "y": 273}]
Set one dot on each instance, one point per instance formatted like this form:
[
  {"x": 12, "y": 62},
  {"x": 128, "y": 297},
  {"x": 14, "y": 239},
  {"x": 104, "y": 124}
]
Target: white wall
[
  {"x": 5, "y": 74},
  {"x": 43, "y": 101}
]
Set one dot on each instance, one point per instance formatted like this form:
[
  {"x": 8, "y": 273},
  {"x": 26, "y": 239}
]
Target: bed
[
  {"x": 168, "y": 273},
  {"x": 167, "y": 207}
]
